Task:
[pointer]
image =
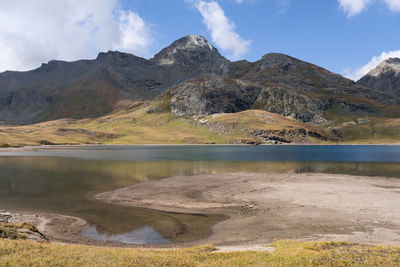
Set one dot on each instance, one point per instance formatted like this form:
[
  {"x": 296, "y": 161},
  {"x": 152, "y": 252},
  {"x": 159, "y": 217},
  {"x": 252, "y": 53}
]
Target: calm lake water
[{"x": 64, "y": 180}]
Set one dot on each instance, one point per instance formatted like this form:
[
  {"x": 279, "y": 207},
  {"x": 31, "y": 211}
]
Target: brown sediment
[{"x": 264, "y": 207}]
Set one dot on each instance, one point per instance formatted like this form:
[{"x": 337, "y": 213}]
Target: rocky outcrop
[
  {"x": 208, "y": 95},
  {"x": 385, "y": 77},
  {"x": 257, "y": 127},
  {"x": 23, "y": 231},
  {"x": 211, "y": 95},
  {"x": 288, "y": 135},
  {"x": 203, "y": 97},
  {"x": 291, "y": 104},
  {"x": 13, "y": 227}
]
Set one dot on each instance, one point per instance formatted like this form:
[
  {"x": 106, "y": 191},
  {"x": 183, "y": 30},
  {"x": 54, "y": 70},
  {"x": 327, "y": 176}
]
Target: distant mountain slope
[
  {"x": 92, "y": 88},
  {"x": 385, "y": 77},
  {"x": 279, "y": 69},
  {"x": 329, "y": 91}
]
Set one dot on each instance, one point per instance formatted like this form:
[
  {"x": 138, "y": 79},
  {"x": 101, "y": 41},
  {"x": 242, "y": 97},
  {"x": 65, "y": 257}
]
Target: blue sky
[
  {"x": 317, "y": 31},
  {"x": 343, "y": 36}
]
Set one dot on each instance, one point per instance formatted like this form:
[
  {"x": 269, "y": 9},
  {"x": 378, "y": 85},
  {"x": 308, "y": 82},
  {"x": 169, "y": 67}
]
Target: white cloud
[
  {"x": 372, "y": 64},
  {"x": 134, "y": 34},
  {"x": 32, "y": 32},
  {"x": 353, "y": 7},
  {"x": 394, "y": 5},
  {"x": 222, "y": 29},
  {"x": 239, "y": 1}
]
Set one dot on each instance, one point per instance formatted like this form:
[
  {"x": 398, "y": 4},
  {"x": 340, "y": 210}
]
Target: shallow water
[{"x": 64, "y": 180}]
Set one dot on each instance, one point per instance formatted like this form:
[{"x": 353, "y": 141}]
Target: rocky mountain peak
[
  {"x": 385, "y": 77},
  {"x": 192, "y": 47},
  {"x": 193, "y": 42},
  {"x": 387, "y": 66}
]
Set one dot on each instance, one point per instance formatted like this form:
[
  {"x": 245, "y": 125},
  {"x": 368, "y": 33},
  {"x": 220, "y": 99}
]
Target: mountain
[
  {"x": 385, "y": 77},
  {"x": 189, "y": 77},
  {"x": 279, "y": 84},
  {"x": 90, "y": 88}
]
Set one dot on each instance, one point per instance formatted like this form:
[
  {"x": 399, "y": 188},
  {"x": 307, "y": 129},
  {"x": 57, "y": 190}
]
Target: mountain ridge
[{"x": 93, "y": 88}]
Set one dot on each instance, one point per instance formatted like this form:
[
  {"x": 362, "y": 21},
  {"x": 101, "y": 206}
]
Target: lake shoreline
[
  {"x": 261, "y": 208},
  {"x": 56, "y": 228},
  {"x": 29, "y": 148},
  {"x": 182, "y": 193},
  {"x": 265, "y": 207},
  {"x": 65, "y": 229}
]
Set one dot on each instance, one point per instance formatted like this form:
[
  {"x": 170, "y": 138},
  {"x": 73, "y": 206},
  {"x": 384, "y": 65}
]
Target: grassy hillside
[
  {"x": 136, "y": 126},
  {"x": 287, "y": 253}
]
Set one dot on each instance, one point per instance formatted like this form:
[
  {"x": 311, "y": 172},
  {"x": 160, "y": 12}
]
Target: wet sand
[{"x": 264, "y": 207}]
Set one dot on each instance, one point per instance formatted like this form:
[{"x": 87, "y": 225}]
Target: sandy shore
[{"x": 264, "y": 207}]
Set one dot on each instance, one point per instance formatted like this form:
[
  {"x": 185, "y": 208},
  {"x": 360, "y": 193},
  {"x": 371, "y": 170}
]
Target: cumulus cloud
[
  {"x": 134, "y": 34},
  {"x": 32, "y": 32},
  {"x": 372, "y": 64},
  {"x": 394, "y": 5},
  {"x": 355, "y": 7},
  {"x": 222, "y": 29}
]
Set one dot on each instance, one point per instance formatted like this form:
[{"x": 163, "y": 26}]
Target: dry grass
[
  {"x": 377, "y": 131},
  {"x": 251, "y": 120},
  {"x": 287, "y": 253},
  {"x": 135, "y": 126}
]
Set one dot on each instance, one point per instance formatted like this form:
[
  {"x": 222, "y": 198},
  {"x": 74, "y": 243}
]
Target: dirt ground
[{"x": 264, "y": 207}]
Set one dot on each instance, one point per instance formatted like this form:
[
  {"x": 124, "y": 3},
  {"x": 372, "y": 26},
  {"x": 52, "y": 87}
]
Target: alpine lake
[{"x": 63, "y": 180}]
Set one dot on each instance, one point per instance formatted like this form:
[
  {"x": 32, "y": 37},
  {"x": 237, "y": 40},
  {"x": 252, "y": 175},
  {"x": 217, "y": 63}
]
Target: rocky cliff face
[
  {"x": 206, "y": 96},
  {"x": 290, "y": 104},
  {"x": 210, "y": 95},
  {"x": 385, "y": 77}
]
